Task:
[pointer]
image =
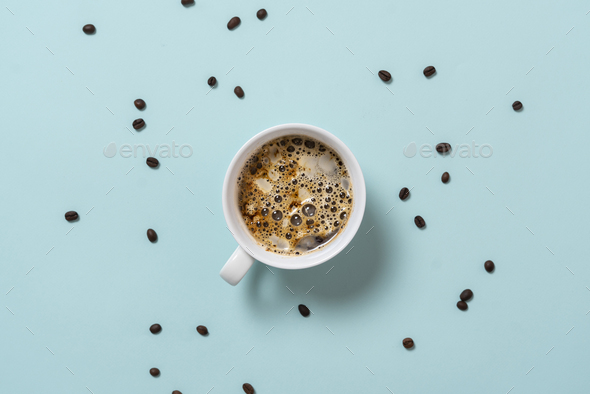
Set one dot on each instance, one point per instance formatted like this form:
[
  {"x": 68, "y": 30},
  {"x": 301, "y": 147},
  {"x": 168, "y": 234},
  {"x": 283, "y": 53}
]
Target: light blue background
[{"x": 90, "y": 300}]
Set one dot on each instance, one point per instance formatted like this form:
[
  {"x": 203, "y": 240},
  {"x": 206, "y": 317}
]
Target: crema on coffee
[{"x": 295, "y": 195}]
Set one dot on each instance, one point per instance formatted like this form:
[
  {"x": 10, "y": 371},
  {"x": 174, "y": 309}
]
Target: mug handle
[{"x": 236, "y": 267}]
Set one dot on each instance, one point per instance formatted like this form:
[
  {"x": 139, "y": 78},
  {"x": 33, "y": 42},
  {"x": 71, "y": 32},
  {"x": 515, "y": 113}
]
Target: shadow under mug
[{"x": 249, "y": 250}]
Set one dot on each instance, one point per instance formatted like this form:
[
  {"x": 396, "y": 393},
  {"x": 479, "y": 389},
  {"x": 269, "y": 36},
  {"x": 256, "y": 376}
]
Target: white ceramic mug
[{"x": 249, "y": 250}]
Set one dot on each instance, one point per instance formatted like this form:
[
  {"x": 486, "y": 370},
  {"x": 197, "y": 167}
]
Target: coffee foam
[{"x": 295, "y": 195}]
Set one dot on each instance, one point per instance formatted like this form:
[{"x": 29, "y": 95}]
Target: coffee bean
[
  {"x": 233, "y": 23},
  {"x": 462, "y": 305},
  {"x": 139, "y": 104},
  {"x": 384, "y": 75},
  {"x": 155, "y": 328},
  {"x": 152, "y": 162},
  {"x": 89, "y": 29},
  {"x": 261, "y": 14},
  {"x": 187, "y": 2},
  {"x": 71, "y": 216},
  {"x": 428, "y": 71},
  {"x": 489, "y": 265},
  {"x": 443, "y": 147},
  {"x": 517, "y": 105},
  {"x": 202, "y": 330},
  {"x": 239, "y": 91},
  {"x": 419, "y": 221},
  {"x": 154, "y": 372},
  {"x": 303, "y": 310},
  {"x": 466, "y": 295},
  {"x": 404, "y": 193},
  {"x": 408, "y": 343},
  {"x": 212, "y": 81},
  {"x": 138, "y": 124},
  {"x": 445, "y": 177},
  {"x": 176, "y": 392},
  {"x": 152, "y": 236},
  {"x": 248, "y": 389}
]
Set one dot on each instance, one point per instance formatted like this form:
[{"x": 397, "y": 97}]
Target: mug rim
[{"x": 238, "y": 229}]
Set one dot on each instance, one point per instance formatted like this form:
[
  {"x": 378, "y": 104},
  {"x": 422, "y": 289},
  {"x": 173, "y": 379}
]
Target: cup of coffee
[{"x": 293, "y": 197}]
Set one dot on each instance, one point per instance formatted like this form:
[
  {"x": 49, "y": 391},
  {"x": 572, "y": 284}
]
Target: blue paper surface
[{"x": 78, "y": 298}]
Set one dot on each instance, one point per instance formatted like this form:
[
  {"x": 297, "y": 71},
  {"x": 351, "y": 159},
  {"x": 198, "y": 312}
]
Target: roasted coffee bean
[
  {"x": 154, "y": 372},
  {"x": 303, "y": 310},
  {"x": 152, "y": 162},
  {"x": 462, "y": 305},
  {"x": 138, "y": 124},
  {"x": 176, "y": 392},
  {"x": 212, "y": 81},
  {"x": 428, "y": 71},
  {"x": 443, "y": 147},
  {"x": 445, "y": 177},
  {"x": 517, "y": 105},
  {"x": 239, "y": 91},
  {"x": 489, "y": 265},
  {"x": 248, "y": 389},
  {"x": 89, "y": 29},
  {"x": 408, "y": 343},
  {"x": 404, "y": 193},
  {"x": 261, "y": 14},
  {"x": 139, "y": 104},
  {"x": 384, "y": 75},
  {"x": 233, "y": 23},
  {"x": 152, "y": 236},
  {"x": 419, "y": 221},
  {"x": 155, "y": 328},
  {"x": 202, "y": 330},
  {"x": 71, "y": 216},
  {"x": 187, "y": 2},
  {"x": 466, "y": 295}
]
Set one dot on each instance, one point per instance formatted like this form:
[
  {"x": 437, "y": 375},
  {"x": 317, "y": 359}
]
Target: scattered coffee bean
[
  {"x": 384, "y": 75},
  {"x": 261, "y": 14},
  {"x": 239, "y": 91},
  {"x": 445, "y": 177},
  {"x": 248, "y": 389},
  {"x": 404, "y": 193},
  {"x": 138, "y": 124},
  {"x": 89, "y": 29},
  {"x": 408, "y": 343},
  {"x": 152, "y": 162},
  {"x": 155, "y": 328},
  {"x": 154, "y": 372},
  {"x": 443, "y": 147},
  {"x": 517, "y": 105},
  {"x": 71, "y": 216},
  {"x": 139, "y": 104},
  {"x": 152, "y": 236},
  {"x": 428, "y": 71},
  {"x": 176, "y": 392},
  {"x": 466, "y": 295},
  {"x": 233, "y": 23},
  {"x": 462, "y": 305},
  {"x": 303, "y": 310},
  {"x": 187, "y": 2},
  {"x": 212, "y": 81},
  {"x": 419, "y": 221},
  {"x": 489, "y": 265},
  {"x": 202, "y": 330}
]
